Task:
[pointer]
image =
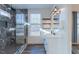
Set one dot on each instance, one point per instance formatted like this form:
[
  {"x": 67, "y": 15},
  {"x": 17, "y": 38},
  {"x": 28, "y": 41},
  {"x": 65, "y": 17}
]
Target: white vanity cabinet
[{"x": 52, "y": 43}]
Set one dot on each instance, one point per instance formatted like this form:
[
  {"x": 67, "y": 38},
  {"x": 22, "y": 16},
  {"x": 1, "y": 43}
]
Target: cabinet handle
[{"x": 54, "y": 33}]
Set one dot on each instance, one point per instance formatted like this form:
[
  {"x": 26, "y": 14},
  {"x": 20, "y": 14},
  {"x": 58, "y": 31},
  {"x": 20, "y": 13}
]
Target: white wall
[
  {"x": 44, "y": 13},
  {"x": 63, "y": 44},
  {"x": 66, "y": 43},
  {"x": 75, "y": 7},
  {"x": 68, "y": 30}
]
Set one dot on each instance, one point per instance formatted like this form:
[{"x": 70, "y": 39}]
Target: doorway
[{"x": 75, "y": 33}]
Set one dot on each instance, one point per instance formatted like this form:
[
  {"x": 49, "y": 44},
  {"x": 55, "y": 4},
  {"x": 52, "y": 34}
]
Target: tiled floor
[
  {"x": 75, "y": 49},
  {"x": 9, "y": 49},
  {"x": 34, "y": 49}
]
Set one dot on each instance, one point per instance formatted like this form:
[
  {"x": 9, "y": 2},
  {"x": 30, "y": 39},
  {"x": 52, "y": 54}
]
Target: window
[
  {"x": 19, "y": 18},
  {"x": 35, "y": 19},
  {"x": 20, "y": 24},
  {"x": 77, "y": 25},
  {"x": 35, "y": 22}
]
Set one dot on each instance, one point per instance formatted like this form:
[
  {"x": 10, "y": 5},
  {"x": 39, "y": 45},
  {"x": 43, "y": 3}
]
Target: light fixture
[{"x": 57, "y": 11}]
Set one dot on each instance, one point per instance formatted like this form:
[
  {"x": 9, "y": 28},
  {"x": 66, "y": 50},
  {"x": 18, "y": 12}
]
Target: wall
[
  {"x": 62, "y": 44},
  {"x": 66, "y": 45},
  {"x": 68, "y": 30},
  {"x": 44, "y": 13},
  {"x": 8, "y": 22}
]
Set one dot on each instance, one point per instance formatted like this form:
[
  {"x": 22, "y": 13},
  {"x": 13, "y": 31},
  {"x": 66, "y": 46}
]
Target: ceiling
[{"x": 30, "y": 6}]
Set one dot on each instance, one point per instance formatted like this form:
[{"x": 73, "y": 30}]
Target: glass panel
[
  {"x": 19, "y": 26},
  {"x": 20, "y": 18},
  {"x": 35, "y": 18},
  {"x": 20, "y": 30},
  {"x": 35, "y": 29},
  {"x": 19, "y": 34},
  {"x": 77, "y": 20},
  {"x": 77, "y": 26},
  {"x": 35, "y": 21},
  {"x": 35, "y": 34}
]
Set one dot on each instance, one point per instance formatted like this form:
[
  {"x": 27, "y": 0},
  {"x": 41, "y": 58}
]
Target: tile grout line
[{"x": 21, "y": 49}]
